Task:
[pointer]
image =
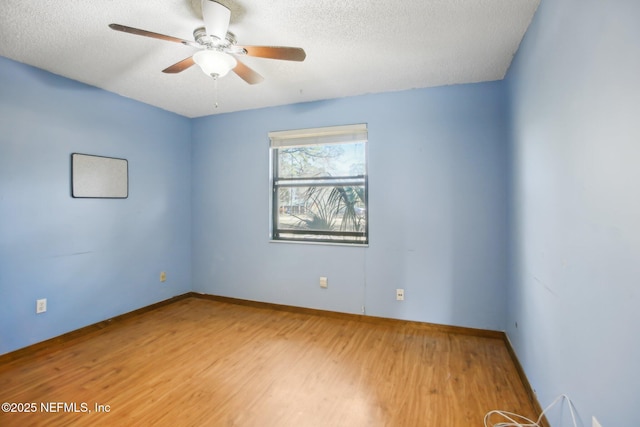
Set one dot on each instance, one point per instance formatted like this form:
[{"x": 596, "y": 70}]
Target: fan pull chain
[{"x": 215, "y": 83}]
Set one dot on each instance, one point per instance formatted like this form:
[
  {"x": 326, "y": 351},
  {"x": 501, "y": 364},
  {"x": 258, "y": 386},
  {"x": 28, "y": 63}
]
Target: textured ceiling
[{"x": 353, "y": 47}]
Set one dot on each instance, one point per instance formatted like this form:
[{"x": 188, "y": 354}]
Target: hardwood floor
[{"x": 198, "y": 362}]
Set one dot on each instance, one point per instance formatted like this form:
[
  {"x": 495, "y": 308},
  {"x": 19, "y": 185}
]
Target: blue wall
[
  {"x": 91, "y": 258},
  {"x": 575, "y": 281},
  {"x": 438, "y": 208}
]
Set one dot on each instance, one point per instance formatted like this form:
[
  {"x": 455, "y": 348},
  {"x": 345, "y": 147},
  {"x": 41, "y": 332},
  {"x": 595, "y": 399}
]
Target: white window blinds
[{"x": 319, "y": 136}]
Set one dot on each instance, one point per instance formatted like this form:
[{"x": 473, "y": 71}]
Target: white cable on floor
[{"x": 512, "y": 419}]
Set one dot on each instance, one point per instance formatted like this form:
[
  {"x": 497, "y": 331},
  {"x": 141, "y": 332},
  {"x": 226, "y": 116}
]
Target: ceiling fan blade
[
  {"x": 247, "y": 74},
  {"x": 153, "y": 35},
  {"x": 179, "y": 66},
  {"x": 216, "y": 18},
  {"x": 276, "y": 52}
]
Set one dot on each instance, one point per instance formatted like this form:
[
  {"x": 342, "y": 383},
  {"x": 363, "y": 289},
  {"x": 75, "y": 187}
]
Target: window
[{"x": 319, "y": 185}]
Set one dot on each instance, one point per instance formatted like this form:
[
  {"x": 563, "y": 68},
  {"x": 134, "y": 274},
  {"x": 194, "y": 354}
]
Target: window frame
[{"x": 338, "y": 135}]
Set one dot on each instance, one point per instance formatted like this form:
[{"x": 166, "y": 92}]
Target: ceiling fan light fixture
[{"x": 214, "y": 63}]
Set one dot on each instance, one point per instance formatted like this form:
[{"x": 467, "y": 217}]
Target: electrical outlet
[
  {"x": 594, "y": 422},
  {"x": 163, "y": 276},
  {"x": 41, "y": 305},
  {"x": 324, "y": 282},
  {"x": 399, "y": 294}
]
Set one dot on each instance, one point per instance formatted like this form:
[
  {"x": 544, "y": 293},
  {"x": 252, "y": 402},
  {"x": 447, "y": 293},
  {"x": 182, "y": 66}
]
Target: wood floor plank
[{"x": 199, "y": 362}]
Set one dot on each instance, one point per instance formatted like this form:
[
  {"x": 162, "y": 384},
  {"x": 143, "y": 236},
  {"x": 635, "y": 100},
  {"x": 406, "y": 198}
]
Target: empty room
[{"x": 320, "y": 213}]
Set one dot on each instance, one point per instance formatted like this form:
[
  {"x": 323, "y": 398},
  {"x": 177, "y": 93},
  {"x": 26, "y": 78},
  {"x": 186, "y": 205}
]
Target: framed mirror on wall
[{"x": 99, "y": 177}]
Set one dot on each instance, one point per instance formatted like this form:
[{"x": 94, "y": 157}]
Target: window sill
[{"x": 305, "y": 242}]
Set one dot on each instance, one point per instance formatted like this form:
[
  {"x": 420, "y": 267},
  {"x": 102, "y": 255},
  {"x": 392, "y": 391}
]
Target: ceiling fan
[{"x": 218, "y": 49}]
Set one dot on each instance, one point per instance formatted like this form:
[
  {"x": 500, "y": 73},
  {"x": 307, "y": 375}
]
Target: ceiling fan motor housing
[{"x": 210, "y": 41}]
